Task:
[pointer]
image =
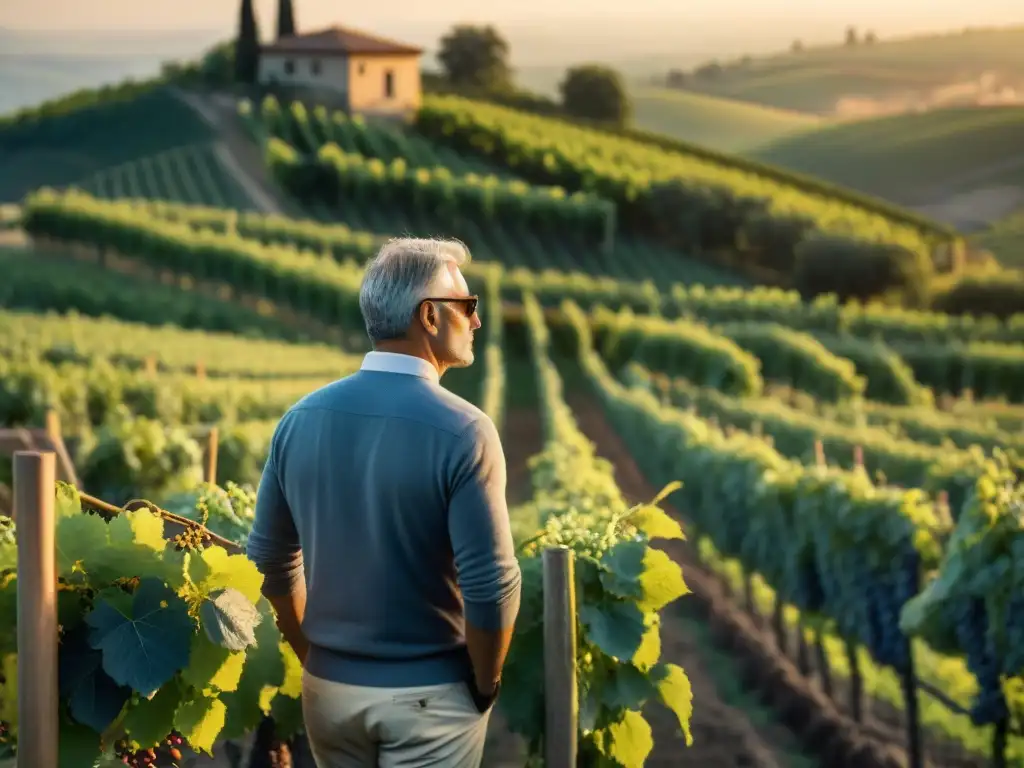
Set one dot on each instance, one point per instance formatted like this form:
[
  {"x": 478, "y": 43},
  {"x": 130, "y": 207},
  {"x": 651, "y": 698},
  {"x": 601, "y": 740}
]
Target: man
[{"x": 383, "y": 535}]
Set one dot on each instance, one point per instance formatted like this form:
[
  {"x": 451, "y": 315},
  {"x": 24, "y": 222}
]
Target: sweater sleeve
[
  {"x": 478, "y": 525},
  {"x": 273, "y": 543}
]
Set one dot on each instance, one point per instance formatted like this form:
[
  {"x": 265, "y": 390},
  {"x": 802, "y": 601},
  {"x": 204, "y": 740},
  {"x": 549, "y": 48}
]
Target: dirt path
[{"x": 236, "y": 150}]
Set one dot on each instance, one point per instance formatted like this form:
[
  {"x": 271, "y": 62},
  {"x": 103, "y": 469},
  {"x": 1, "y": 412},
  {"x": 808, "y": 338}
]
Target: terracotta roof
[{"x": 338, "y": 41}]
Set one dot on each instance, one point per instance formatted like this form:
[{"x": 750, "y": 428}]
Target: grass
[
  {"x": 914, "y": 156},
  {"x": 817, "y": 79},
  {"x": 66, "y": 149},
  {"x": 723, "y": 124}
]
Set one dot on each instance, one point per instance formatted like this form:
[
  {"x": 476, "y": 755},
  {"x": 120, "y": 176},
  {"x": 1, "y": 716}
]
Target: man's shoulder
[
  {"x": 449, "y": 411},
  {"x": 421, "y": 401}
]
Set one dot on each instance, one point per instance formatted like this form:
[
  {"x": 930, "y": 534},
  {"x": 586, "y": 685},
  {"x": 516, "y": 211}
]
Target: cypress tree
[
  {"x": 247, "y": 49},
  {"x": 285, "y": 18}
]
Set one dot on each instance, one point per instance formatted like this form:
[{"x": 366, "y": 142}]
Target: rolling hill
[
  {"x": 723, "y": 124},
  {"x": 916, "y": 159},
  {"x": 971, "y": 66}
]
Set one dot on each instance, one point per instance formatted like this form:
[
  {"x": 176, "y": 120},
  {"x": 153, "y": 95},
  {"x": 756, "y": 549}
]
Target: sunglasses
[{"x": 469, "y": 302}]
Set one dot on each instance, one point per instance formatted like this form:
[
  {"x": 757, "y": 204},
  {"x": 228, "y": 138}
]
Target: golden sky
[{"x": 771, "y": 16}]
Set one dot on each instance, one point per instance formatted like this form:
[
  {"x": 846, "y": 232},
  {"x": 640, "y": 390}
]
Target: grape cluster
[
  {"x": 1014, "y": 662},
  {"x": 165, "y": 755},
  {"x": 971, "y": 625}
]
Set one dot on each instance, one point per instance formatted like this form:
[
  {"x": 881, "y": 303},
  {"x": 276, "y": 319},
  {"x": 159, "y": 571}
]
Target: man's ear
[{"x": 429, "y": 318}]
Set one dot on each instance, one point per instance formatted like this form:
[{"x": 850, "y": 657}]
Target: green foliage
[
  {"x": 979, "y": 563},
  {"x": 285, "y": 18},
  {"x": 852, "y": 268},
  {"x": 247, "y": 44},
  {"x": 1000, "y": 294},
  {"x": 885, "y": 455},
  {"x": 625, "y": 171},
  {"x": 492, "y": 396},
  {"x": 336, "y": 176},
  {"x": 93, "y": 291},
  {"x": 622, "y": 584},
  {"x": 153, "y": 637},
  {"x": 596, "y": 92},
  {"x": 324, "y": 289},
  {"x": 475, "y": 57},
  {"x": 797, "y": 359},
  {"x": 828, "y": 541},
  {"x": 680, "y": 345},
  {"x": 137, "y": 457}
]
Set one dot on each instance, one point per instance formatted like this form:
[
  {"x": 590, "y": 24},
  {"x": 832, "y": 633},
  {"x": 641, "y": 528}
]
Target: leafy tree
[
  {"x": 476, "y": 57},
  {"x": 285, "y": 18},
  {"x": 247, "y": 49},
  {"x": 851, "y": 36},
  {"x": 595, "y": 92}
]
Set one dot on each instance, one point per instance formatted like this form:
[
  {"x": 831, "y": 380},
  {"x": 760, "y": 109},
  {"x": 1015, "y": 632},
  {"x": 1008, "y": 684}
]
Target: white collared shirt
[{"x": 395, "y": 362}]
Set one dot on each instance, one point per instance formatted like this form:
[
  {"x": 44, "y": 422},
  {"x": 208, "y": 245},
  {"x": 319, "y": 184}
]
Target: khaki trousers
[{"x": 352, "y": 726}]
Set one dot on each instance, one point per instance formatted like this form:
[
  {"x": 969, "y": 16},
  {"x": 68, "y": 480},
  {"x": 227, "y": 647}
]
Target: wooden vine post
[
  {"x": 908, "y": 683},
  {"x": 210, "y": 460},
  {"x": 561, "y": 717},
  {"x": 35, "y": 478}
]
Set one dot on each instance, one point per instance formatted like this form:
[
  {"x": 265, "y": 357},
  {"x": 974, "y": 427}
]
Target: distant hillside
[
  {"x": 722, "y": 124},
  {"x": 912, "y": 158},
  {"x": 38, "y": 66},
  {"x": 983, "y": 66}
]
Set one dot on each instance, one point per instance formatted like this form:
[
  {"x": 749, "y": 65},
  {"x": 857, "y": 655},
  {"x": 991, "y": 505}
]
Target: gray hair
[{"x": 399, "y": 277}]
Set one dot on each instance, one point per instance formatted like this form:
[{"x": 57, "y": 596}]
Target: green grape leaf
[
  {"x": 229, "y": 619},
  {"x": 628, "y": 741},
  {"x": 637, "y": 571},
  {"x": 624, "y": 565},
  {"x": 617, "y": 628},
  {"x": 665, "y": 492},
  {"x": 200, "y": 721},
  {"x": 649, "y": 652},
  {"x": 287, "y": 714},
  {"x": 212, "y": 667},
  {"x": 143, "y": 649},
  {"x": 140, "y": 527},
  {"x": 215, "y": 569},
  {"x": 628, "y": 688},
  {"x": 68, "y": 502},
  {"x": 291, "y": 686},
  {"x": 676, "y": 694},
  {"x": 94, "y": 699},
  {"x": 656, "y": 523},
  {"x": 263, "y": 673},
  {"x": 78, "y": 540},
  {"x": 148, "y": 721},
  {"x": 78, "y": 746},
  {"x": 662, "y": 581}
]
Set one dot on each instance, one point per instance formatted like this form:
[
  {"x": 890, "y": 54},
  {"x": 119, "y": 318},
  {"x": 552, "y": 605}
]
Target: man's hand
[{"x": 483, "y": 696}]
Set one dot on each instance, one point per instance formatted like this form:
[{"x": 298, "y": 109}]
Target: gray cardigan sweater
[{"x": 386, "y": 493}]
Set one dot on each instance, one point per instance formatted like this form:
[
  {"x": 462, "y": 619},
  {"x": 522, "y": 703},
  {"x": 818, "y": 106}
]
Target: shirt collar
[{"x": 395, "y": 362}]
